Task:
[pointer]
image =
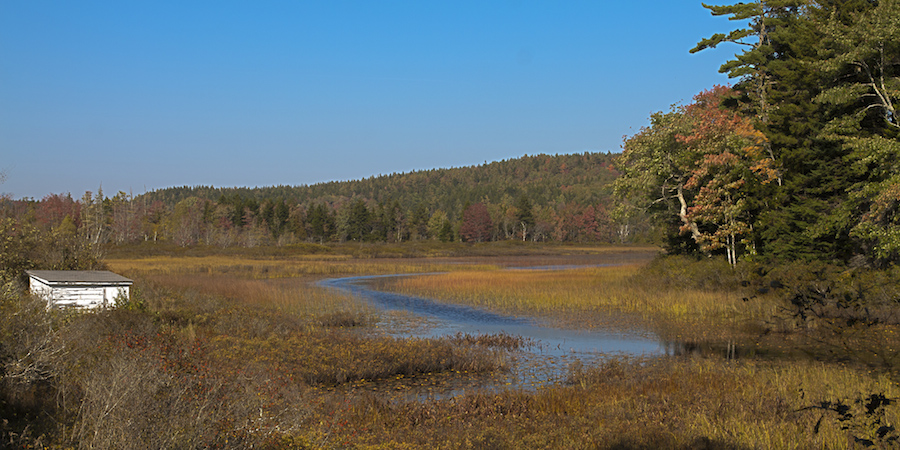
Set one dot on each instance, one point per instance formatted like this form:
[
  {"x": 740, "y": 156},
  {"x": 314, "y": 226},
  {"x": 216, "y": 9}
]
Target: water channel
[{"x": 548, "y": 360}]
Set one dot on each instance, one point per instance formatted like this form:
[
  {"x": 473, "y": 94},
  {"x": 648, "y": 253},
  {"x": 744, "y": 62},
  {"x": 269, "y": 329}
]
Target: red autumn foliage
[{"x": 476, "y": 224}]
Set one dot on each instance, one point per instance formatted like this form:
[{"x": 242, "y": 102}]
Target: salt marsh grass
[
  {"x": 588, "y": 297},
  {"x": 267, "y": 268}
]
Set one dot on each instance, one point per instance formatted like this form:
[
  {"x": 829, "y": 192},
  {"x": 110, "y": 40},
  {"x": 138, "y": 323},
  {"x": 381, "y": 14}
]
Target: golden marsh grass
[
  {"x": 589, "y": 296},
  {"x": 294, "y": 266}
]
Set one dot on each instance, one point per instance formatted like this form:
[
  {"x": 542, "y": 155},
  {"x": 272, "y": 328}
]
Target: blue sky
[{"x": 140, "y": 95}]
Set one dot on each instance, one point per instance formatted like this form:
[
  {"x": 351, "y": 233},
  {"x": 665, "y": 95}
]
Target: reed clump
[
  {"x": 335, "y": 357},
  {"x": 342, "y": 319},
  {"x": 296, "y": 328},
  {"x": 497, "y": 340}
]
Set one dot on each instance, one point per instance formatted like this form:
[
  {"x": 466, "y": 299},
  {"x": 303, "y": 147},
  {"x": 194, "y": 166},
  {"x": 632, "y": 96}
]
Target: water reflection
[{"x": 547, "y": 361}]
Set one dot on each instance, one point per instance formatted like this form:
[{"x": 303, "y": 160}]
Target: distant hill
[
  {"x": 541, "y": 198},
  {"x": 546, "y": 180}
]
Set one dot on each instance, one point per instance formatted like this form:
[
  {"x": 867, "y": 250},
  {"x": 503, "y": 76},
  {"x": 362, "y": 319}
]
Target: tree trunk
[{"x": 695, "y": 232}]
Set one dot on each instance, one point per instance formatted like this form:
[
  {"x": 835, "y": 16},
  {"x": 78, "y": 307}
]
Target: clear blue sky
[{"x": 142, "y": 95}]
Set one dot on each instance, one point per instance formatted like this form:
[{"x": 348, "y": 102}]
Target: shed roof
[{"x": 79, "y": 277}]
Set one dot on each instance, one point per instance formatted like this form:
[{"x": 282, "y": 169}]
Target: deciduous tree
[
  {"x": 734, "y": 162},
  {"x": 656, "y": 165},
  {"x": 185, "y": 223},
  {"x": 126, "y": 218},
  {"x": 93, "y": 219},
  {"x": 53, "y": 208},
  {"x": 477, "y": 225},
  {"x": 704, "y": 163}
]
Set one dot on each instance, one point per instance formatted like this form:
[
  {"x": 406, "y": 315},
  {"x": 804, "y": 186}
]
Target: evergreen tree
[
  {"x": 860, "y": 61},
  {"x": 446, "y": 233},
  {"x": 321, "y": 222},
  {"x": 280, "y": 217},
  {"x": 267, "y": 216},
  {"x": 524, "y": 216},
  {"x": 778, "y": 74},
  {"x": 418, "y": 222},
  {"x": 359, "y": 225}
]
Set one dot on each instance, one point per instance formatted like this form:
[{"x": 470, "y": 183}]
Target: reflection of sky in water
[{"x": 547, "y": 361}]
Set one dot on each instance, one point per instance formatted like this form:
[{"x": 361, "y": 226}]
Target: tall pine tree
[
  {"x": 778, "y": 75},
  {"x": 860, "y": 61}
]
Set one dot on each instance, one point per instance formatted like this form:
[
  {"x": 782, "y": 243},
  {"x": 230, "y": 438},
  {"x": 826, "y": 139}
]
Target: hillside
[
  {"x": 540, "y": 198},
  {"x": 561, "y": 198},
  {"x": 580, "y": 179}
]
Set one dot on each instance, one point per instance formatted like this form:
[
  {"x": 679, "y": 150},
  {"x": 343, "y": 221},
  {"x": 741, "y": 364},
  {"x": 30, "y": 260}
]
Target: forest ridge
[
  {"x": 544, "y": 178},
  {"x": 538, "y": 198}
]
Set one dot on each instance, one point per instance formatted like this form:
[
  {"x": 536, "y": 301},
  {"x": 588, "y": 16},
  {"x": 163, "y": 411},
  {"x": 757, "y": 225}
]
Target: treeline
[
  {"x": 561, "y": 198},
  {"x": 801, "y": 159}
]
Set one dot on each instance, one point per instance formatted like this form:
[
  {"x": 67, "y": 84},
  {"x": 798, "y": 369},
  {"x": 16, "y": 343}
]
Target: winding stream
[{"x": 547, "y": 361}]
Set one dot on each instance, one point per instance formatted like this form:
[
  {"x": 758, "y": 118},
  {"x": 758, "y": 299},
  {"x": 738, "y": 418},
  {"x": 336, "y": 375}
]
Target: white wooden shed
[{"x": 78, "y": 288}]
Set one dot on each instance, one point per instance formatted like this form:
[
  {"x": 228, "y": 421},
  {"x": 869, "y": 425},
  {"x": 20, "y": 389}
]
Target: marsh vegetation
[{"x": 231, "y": 352}]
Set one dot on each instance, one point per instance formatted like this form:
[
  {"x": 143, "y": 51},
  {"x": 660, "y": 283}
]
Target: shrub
[
  {"x": 690, "y": 272},
  {"x": 29, "y": 348}
]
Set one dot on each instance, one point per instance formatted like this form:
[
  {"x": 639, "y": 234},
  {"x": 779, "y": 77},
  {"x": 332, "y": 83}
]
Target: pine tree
[
  {"x": 860, "y": 61},
  {"x": 359, "y": 222},
  {"x": 524, "y": 216},
  {"x": 778, "y": 75}
]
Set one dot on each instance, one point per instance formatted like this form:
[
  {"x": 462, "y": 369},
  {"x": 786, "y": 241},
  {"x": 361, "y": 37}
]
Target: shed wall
[
  {"x": 79, "y": 296},
  {"x": 83, "y": 297},
  {"x": 40, "y": 288}
]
